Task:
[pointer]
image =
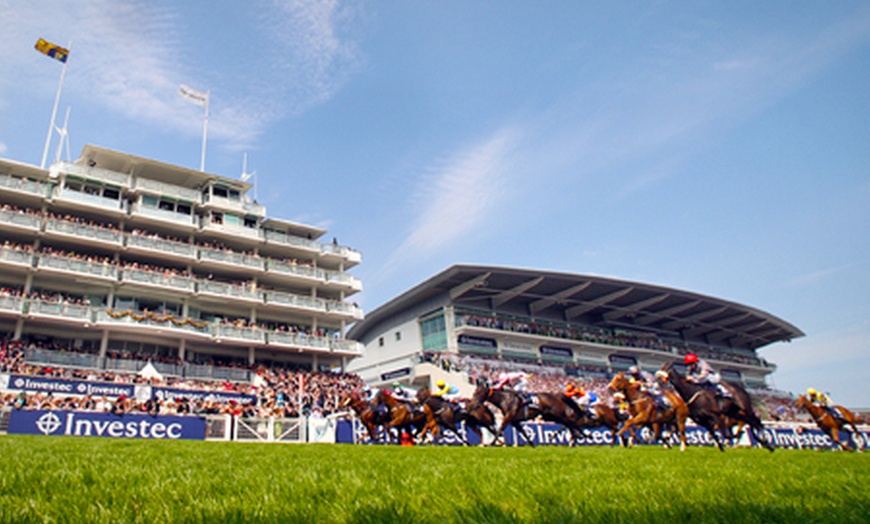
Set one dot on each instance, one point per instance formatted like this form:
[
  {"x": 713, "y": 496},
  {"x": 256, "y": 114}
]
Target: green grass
[{"x": 69, "y": 479}]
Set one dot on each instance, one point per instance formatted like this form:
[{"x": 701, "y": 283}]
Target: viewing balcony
[
  {"x": 216, "y": 373},
  {"x": 16, "y": 221},
  {"x": 161, "y": 246},
  {"x": 232, "y": 291},
  {"x": 28, "y": 187},
  {"x": 76, "y": 266},
  {"x": 184, "y": 194},
  {"x": 236, "y": 230},
  {"x": 289, "y": 300},
  {"x": 16, "y": 257},
  {"x": 58, "y": 310},
  {"x": 277, "y": 237},
  {"x": 239, "y": 334},
  {"x": 156, "y": 279},
  {"x": 298, "y": 341},
  {"x": 14, "y": 305},
  {"x": 344, "y": 309},
  {"x": 230, "y": 259},
  {"x": 115, "y": 206},
  {"x": 150, "y": 322},
  {"x": 187, "y": 222},
  {"x": 345, "y": 280},
  {"x": 89, "y": 233},
  {"x": 343, "y": 345},
  {"x": 297, "y": 270},
  {"x": 95, "y": 173}
]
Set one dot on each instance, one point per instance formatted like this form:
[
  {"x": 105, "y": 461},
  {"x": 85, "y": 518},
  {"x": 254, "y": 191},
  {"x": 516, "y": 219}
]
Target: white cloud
[{"x": 2, "y": 148}]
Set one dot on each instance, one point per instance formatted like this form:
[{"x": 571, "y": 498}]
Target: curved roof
[{"x": 592, "y": 300}]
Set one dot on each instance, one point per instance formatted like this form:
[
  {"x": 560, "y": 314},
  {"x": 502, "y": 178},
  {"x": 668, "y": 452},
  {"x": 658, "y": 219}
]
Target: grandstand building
[
  {"x": 579, "y": 324},
  {"x": 115, "y": 257}
]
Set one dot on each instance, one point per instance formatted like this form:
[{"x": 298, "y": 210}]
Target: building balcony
[
  {"x": 105, "y": 204},
  {"x": 58, "y": 310},
  {"x": 171, "y": 218},
  {"x": 160, "y": 246},
  {"x": 156, "y": 279},
  {"x": 228, "y": 332},
  {"x": 348, "y": 311},
  {"x": 91, "y": 234},
  {"x": 346, "y": 346},
  {"x": 288, "y": 340},
  {"x": 230, "y": 259},
  {"x": 76, "y": 266},
  {"x": 146, "y": 321},
  {"x": 12, "y": 305},
  {"x": 277, "y": 237},
  {"x": 28, "y": 187},
  {"x": 344, "y": 280},
  {"x": 16, "y": 221},
  {"x": 94, "y": 173},
  {"x": 289, "y": 300},
  {"x": 147, "y": 185},
  {"x": 216, "y": 373},
  {"x": 234, "y": 230},
  {"x": 224, "y": 291},
  {"x": 16, "y": 257},
  {"x": 309, "y": 273}
]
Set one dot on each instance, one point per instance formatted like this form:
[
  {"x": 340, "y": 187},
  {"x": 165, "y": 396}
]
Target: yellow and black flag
[{"x": 53, "y": 50}]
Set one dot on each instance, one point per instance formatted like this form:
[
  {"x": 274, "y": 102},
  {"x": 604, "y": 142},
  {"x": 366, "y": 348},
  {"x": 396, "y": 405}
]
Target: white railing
[
  {"x": 230, "y": 257},
  {"x": 90, "y": 232},
  {"x": 92, "y": 200},
  {"x": 16, "y": 256},
  {"x": 290, "y": 240},
  {"x": 163, "y": 214},
  {"x": 12, "y": 304},
  {"x": 58, "y": 309},
  {"x": 25, "y": 186},
  {"x": 104, "y": 270},
  {"x": 161, "y": 245},
  {"x": 289, "y": 268},
  {"x": 24, "y": 220},
  {"x": 157, "y": 279},
  {"x": 224, "y": 289},
  {"x": 225, "y": 331},
  {"x": 143, "y": 318},
  {"x": 171, "y": 190}
]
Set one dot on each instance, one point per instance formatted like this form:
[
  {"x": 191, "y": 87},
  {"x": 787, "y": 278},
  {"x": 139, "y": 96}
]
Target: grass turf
[{"x": 69, "y": 479}]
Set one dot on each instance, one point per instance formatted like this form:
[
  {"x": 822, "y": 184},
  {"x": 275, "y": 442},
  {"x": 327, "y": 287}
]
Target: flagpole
[
  {"x": 204, "y": 131},
  {"x": 54, "y": 111}
]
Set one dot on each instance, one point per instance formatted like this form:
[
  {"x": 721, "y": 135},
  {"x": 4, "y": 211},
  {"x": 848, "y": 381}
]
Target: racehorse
[
  {"x": 830, "y": 425},
  {"x": 370, "y": 418},
  {"x": 440, "y": 414},
  {"x": 402, "y": 415},
  {"x": 477, "y": 416},
  {"x": 703, "y": 407},
  {"x": 736, "y": 408},
  {"x": 605, "y": 416},
  {"x": 514, "y": 411},
  {"x": 644, "y": 413}
]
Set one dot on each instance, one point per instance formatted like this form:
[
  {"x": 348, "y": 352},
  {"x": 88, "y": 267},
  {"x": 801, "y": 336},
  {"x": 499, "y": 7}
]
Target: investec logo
[{"x": 70, "y": 424}]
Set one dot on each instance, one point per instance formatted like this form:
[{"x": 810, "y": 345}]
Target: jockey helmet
[
  {"x": 691, "y": 358},
  {"x": 396, "y": 385},
  {"x": 569, "y": 389},
  {"x": 633, "y": 370},
  {"x": 812, "y": 392},
  {"x": 440, "y": 383}
]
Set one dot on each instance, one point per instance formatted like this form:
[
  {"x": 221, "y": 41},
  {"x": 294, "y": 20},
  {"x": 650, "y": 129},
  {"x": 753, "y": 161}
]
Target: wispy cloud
[{"x": 136, "y": 73}]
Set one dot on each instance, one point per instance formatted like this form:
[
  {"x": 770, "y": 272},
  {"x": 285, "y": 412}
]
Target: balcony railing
[
  {"x": 230, "y": 257},
  {"x": 95, "y": 173},
  {"x": 170, "y": 190},
  {"x": 163, "y": 214},
  {"x": 232, "y": 229},
  {"x": 21, "y": 220},
  {"x": 145, "y": 318},
  {"x": 224, "y": 289},
  {"x": 161, "y": 245},
  {"x": 290, "y": 240},
  {"x": 297, "y": 301},
  {"x": 16, "y": 256},
  {"x": 288, "y": 268},
  {"x": 226, "y": 331},
  {"x": 157, "y": 279},
  {"x": 101, "y": 202},
  {"x": 12, "y": 304},
  {"x": 100, "y": 234},
  {"x": 58, "y": 309},
  {"x": 62, "y": 358},
  {"x": 41, "y": 189},
  {"x": 103, "y": 270},
  {"x": 298, "y": 340}
]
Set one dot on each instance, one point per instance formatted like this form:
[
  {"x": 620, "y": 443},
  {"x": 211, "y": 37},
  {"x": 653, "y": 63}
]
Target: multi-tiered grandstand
[
  {"x": 472, "y": 318},
  {"x": 115, "y": 259}
]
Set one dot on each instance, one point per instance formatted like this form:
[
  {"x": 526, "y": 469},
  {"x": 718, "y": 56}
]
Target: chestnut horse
[
  {"x": 830, "y": 425},
  {"x": 369, "y": 418},
  {"x": 402, "y": 415},
  {"x": 514, "y": 411},
  {"x": 644, "y": 413}
]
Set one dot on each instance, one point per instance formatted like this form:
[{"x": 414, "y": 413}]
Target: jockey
[
  {"x": 824, "y": 401},
  {"x": 702, "y": 373},
  {"x": 518, "y": 380},
  {"x": 621, "y": 406},
  {"x": 402, "y": 393},
  {"x": 584, "y": 399},
  {"x": 648, "y": 384},
  {"x": 448, "y": 392}
]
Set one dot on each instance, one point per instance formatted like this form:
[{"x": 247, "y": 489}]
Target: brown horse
[
  {"x": 644, "y": 413},
  {"x": 402, "y": 415},
  {"x": 514, "y": 411},
  {"x": 605, "y": 416},
  {"x": 830, "y": 425},
  {"x": 369, "y": 418},
  {"x": 440, "y": 415}
]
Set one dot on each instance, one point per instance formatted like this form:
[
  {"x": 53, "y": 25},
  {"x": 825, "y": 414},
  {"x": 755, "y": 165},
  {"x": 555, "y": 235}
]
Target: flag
[
  {"x": 191, "y": 95},
  {"x": 53, "y": 50}
]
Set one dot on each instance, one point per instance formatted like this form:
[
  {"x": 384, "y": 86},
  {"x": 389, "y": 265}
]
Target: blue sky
[{"x": 722, "y": 148}]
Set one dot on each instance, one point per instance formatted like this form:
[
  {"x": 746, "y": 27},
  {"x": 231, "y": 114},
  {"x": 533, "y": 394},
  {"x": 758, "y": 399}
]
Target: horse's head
[
  {"x": 481, "y": 393},
  {"x": 619, "y": 382},
  {"x": 423, "y": 395},
  {"x": 802, "y": 402}
]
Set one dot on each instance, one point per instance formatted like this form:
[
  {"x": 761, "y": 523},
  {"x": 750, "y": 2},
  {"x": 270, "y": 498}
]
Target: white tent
[{"x": 150, "y": 372}]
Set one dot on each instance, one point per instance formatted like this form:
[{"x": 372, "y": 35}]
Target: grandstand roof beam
[
  {"x": 589, "y": 305},
  {"x": 666, "y": 313},
  {"x": 544, "y": 303},
  {"x": 697, "y": 317},
  {"x": 635, "y": 307},
  {"x": 457, "y": 291},
  {"x": 507, "y": 295}
]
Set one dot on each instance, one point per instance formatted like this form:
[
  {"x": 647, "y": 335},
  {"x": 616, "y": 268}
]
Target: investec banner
[
  {"x": 219, "y": 396},
  {"x": 69, "y": 387},
  {"x": 87, "y": 424}
]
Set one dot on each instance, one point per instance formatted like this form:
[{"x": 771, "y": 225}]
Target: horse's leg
[{"x": 519, "y": 427}]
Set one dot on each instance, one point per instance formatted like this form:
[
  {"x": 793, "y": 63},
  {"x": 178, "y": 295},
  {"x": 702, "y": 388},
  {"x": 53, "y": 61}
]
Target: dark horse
[
  {"x": 830, "y": 425},
  {"x": 736, "y": 408},
  {"x": 440, "y": 414},
  {"x": 703, "y": 407},
  {"x": 644, "y": 413},
  {"x": 514, "y": 411},
  {"x": 369, "y": 417}
]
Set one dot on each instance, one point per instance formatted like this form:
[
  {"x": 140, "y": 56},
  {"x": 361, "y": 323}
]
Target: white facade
[{"x": 116, "y": 254}]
